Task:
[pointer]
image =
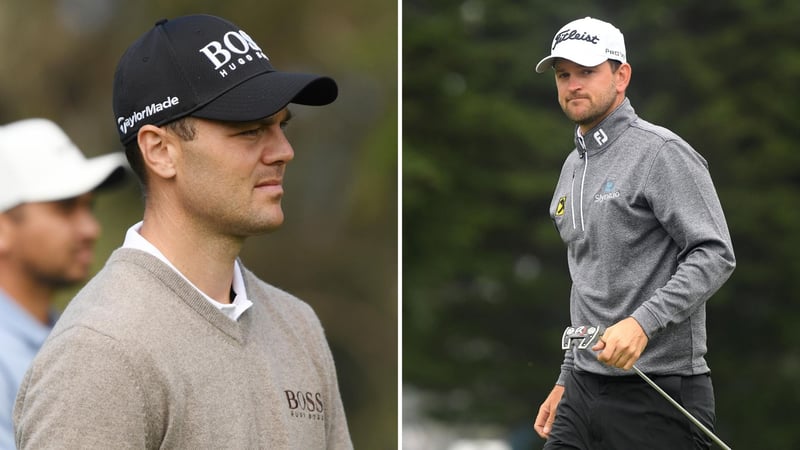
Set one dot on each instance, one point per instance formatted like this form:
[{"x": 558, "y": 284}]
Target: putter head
[{"x": 585, "y": 334}]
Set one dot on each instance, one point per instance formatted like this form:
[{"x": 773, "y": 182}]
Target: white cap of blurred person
[{"x": 47, "y": 237}]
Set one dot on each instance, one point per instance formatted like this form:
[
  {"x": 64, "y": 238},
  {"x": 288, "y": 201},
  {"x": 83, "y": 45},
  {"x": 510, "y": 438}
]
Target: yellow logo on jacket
[{"x": 562, "y": 202}]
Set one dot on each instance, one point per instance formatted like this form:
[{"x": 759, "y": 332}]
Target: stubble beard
[
  {"x": 591, "y": 115},
  {"x": 599, "y": 107},
  {"x": 254, "y": 223},
  {"x": 57, "y": 279}
]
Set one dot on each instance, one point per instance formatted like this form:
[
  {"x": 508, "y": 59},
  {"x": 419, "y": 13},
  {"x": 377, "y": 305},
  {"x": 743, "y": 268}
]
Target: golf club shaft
[{"x": 686, "y": 413}]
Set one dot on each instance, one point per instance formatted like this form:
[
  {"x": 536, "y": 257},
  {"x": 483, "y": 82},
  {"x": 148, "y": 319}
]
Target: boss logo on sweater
[{"x": 305, "y": 404}]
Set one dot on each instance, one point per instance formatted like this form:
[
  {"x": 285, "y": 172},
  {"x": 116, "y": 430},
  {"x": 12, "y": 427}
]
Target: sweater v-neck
[{"x": 189, "y": 295}]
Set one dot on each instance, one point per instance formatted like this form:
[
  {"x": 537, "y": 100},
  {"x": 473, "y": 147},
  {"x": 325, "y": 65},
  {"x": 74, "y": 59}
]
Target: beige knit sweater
[{"x": 140, "y": 360}]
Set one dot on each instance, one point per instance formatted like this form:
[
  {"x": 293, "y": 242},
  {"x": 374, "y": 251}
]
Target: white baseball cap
[
  {"x": 588, "y": 42},
  {"x": 39, "y": 163}
]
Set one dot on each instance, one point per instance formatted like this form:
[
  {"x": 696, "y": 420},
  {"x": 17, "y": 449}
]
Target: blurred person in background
[
  {"x": 47, "y": 237},
  {"x": 648, "y": 244},
  {"x": 175, "y": 344}
]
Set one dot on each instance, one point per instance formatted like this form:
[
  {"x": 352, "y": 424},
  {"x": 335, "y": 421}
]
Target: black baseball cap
[{"x": 204, "y": 66}]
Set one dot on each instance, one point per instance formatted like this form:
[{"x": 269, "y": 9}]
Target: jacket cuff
[
  {"x": 562, "y": 377},
  {"x": 647, "y": 321}
]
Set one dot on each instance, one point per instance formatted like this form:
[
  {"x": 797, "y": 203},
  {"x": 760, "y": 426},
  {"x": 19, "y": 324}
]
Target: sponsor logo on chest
[
  {"x": 609, "y": 192},
  {"x": 305, "y": 405}
]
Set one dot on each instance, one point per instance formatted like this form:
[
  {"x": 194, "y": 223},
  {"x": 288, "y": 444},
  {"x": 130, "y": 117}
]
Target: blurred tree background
[
  {"x": 485, "y": 281},
  {"x": 338, "y": 247}
]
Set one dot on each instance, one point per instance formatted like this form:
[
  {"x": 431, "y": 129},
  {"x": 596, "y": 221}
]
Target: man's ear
[
  {"x": 158, "y": 151},
  {"x": 623, "y": 75}
]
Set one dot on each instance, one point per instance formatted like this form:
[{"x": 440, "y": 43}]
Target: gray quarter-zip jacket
[{"x": 646, "y": 238}]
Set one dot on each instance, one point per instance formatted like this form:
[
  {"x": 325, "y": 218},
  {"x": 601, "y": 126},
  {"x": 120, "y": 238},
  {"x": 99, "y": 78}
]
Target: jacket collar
[{"x": 606, "y": 132}]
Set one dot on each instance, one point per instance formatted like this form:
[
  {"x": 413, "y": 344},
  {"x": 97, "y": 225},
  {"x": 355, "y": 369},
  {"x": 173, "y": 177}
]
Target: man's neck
[
  {"x": 205, "y": 258},
  {"x": 30, "y": 295}
]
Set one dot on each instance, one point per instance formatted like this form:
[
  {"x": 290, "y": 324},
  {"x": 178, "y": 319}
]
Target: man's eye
[
  {"x": 67, "y": 207},
  {"x": 284, "y": 124}
]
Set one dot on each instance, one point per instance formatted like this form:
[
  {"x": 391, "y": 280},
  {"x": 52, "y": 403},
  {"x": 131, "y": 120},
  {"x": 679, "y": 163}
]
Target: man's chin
[
  {"x": 578, "y": 117},
  {"x": 66, "y": 282},
  {"x": 261, "y": 227}
]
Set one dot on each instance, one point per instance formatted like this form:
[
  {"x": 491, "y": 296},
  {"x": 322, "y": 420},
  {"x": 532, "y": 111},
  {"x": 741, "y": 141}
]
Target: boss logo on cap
[
  {"x": 233, "y": 43},
  {"x": 575, "y": 35}
]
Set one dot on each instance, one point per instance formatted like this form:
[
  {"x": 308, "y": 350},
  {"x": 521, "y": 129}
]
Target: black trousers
[{"x": 625, "y": 413}]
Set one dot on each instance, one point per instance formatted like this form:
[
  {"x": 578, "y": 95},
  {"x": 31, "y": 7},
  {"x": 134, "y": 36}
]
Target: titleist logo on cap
[{"x": 575, "y": 35}]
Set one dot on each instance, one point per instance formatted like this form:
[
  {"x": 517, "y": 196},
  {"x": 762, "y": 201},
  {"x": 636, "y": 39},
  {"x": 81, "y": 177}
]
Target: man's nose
[{"x": 278, "y": 151}]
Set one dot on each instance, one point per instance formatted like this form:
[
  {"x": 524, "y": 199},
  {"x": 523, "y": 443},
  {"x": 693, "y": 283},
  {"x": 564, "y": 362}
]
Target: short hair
[
  {"x": 615, "y": 65},
  {"x": 184, "y": 128}
]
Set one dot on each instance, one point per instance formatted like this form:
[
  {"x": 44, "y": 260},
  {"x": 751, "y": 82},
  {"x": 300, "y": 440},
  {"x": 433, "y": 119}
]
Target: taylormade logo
[
  {"x": 221, "y": 53},
  {"x": 126, "y": 123}
]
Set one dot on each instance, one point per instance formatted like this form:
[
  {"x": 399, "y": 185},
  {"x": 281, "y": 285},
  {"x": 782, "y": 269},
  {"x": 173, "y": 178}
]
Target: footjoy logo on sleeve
[
  {"x": 126, "y": 123},
  {"x": 234, "y": 50}
]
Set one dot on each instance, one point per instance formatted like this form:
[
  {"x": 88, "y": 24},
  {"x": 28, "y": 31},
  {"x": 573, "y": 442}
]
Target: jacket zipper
[{"x": 585, "y": 156}]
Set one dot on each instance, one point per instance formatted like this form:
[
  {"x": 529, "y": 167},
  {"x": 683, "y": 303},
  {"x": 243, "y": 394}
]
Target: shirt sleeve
[
  {"x": 81, "y": 392},
  {"x": 684, "y": 200},
  {"x": 7, "y": 394},
  {"x": 566, "y": 366}
]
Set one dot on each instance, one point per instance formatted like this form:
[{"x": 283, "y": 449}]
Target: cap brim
[
  {"x": 68, "y": 182},
  {"x": 267, "y": 93},
  {"x": 545, "y": 64},
  {"x": 583, "y": 60}
]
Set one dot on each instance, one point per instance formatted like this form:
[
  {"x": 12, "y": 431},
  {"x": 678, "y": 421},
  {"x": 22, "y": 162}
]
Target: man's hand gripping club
[{"x": 620, "y": 346}]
